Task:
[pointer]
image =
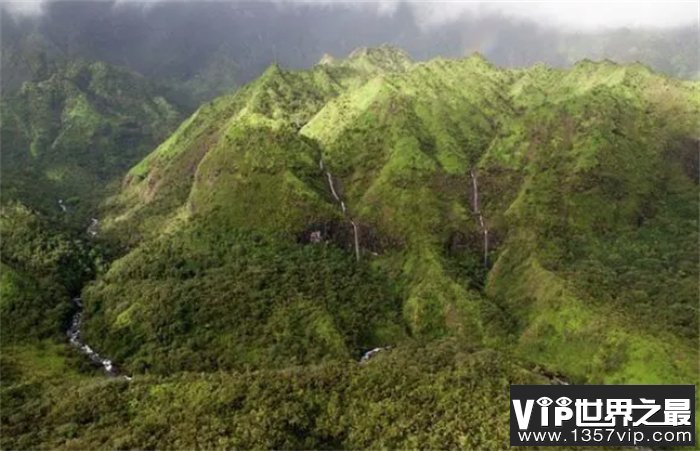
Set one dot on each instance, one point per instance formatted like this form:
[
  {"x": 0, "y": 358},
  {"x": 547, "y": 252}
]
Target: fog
[
  {"x": 229, "y": 43},
  {"x": 570, "y": 14}
]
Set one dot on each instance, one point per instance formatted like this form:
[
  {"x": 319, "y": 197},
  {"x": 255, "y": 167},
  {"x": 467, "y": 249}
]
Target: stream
[
  {"x": 74, "y": 337},
  {"x": 92, "y": 228},
  {"x": 74, "y": 331},
  {"x": 369, "y": 354}
]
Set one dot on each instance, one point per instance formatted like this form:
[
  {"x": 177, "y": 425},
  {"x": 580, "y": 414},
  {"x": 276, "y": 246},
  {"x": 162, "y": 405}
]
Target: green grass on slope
[
  {"x": 385, "y": 59},
  {"x": 402, "y": 146},
  {"x": 587, "y": 342},
  {"x": 264, "y": 180},
  {"x": 277, "y": 104},
  {"x": 224, "y": 199},
  {"x": 599, "y": 267}
]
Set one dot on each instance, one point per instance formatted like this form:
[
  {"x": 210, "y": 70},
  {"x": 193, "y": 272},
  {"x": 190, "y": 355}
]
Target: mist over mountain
[{"x": 211, "y": 47}]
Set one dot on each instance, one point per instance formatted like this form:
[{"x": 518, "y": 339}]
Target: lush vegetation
[
  {"x": 435, "y": 397},
  {"x": 41, "y": 269},
  {"x": 590, "y": 248},
  {"x": 74, "y": 131},
  {"x": 236, "y": 260},
  {"x": 207, "y": 299}
]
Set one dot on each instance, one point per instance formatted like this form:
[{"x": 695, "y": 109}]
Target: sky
[
  {"x": 583, "y": 15},
  {"x": 572, "y": 15}
]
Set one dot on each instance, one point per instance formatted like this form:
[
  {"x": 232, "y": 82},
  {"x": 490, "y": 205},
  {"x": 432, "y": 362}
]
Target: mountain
[
  {"x": 69, "y": 135},
  {"x": 575, "y": 174},
  {"x": 578, "y": 174},
  {"x": 477, "y": 226}
]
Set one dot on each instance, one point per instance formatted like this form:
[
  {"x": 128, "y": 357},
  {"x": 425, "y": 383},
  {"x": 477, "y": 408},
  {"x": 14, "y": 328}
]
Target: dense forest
[{"x": 362, "y": 253}]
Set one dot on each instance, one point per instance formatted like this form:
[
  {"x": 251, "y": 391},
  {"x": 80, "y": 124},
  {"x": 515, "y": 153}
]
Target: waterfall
[
  {"x": 357, "y": 241},
  {"x": 330, "y": 183},
  {"x": 343, "y": 209},
  {"x": 476, "y": 208}
]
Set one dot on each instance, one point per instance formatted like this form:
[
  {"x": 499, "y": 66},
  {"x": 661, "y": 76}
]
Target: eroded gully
[{"x": 372, "y": 352}]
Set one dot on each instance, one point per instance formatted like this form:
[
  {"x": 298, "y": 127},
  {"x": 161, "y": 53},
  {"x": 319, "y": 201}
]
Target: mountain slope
[
  {"x": 425, "y": 171},
  {"x": 67, "y": 139},
  {"x": 599, "y": 261},
  {"x": 221, "y": 187},
  {"x": 41, "y": 268}
]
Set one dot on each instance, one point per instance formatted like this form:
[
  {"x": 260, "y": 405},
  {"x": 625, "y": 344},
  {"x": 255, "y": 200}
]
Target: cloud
[
  {"x": 567, "y": 14},
  {"x": 24, "y": 7},
  {"x": 572, "y": 15}
]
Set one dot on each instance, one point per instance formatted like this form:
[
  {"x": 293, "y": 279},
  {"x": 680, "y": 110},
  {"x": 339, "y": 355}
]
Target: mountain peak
[
  {"x": 272, "y": 69},
  {"x": 384, "y": 51},
  {"x": 386, "y": 57},
  {"x": 327, "y": 60},
  {"x": 478, "y": 59}
]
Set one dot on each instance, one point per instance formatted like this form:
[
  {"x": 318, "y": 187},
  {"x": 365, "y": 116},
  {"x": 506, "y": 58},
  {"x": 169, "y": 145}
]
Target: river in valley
[{"x": 75, "y": 339}]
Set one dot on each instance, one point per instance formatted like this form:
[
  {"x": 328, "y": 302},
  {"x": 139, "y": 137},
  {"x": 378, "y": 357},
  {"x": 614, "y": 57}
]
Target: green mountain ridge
[
  {"x": 510, "y": 222},
  {"x": 401, "y": 142}
]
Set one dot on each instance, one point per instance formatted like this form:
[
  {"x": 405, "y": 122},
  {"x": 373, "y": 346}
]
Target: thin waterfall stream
[
  {"x": 554, "y": 379},
  {"x": 343, "y": 208},
  {"x": 372, "y": 352},
  {"x": 476, "y": 208}
]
